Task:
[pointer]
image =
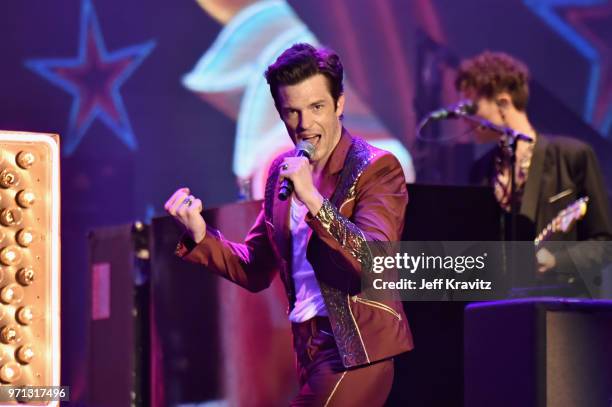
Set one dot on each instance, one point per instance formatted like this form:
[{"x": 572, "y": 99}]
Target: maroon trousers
[{"x": 323, "y": 379}]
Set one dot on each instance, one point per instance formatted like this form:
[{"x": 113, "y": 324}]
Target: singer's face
[
  {"x": 488, "y": 110},
  {"x": 309, "y": 113}
]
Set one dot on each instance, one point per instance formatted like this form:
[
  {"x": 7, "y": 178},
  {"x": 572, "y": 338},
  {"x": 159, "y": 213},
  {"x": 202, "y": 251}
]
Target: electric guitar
[{"x": 564, "y": 220}]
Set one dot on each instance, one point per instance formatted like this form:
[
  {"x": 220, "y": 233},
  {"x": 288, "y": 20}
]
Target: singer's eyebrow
[{"x": 318, "y": 102}]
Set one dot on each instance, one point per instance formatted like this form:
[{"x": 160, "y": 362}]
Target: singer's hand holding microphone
[{"x": 295, "y": 176}]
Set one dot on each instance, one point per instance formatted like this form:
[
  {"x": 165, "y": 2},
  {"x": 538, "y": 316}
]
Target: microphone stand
[
  {"x": 511, "y": 140},
  {"x": 512, "y": 136}
]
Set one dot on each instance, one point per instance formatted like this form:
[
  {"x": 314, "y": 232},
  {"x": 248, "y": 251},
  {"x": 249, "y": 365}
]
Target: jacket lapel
[
  {"x": 327, "y": 186},
  {"x": 533, "y": 188}
]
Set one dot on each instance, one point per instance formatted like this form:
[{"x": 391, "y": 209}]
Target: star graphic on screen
[
  {"x": 566, "y": 18},
  {"x": 94, "y": 78},
  {"x": 594, "y": 25}
]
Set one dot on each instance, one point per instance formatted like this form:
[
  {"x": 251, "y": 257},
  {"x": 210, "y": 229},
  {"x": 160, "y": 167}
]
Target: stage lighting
[{"x": 29, "y": 265}]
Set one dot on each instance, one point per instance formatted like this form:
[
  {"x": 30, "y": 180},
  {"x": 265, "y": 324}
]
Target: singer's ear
[{"x": 340, "y": 105}]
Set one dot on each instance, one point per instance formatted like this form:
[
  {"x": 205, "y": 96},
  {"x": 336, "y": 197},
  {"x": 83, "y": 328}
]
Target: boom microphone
[{"x": 463, "y": 108}]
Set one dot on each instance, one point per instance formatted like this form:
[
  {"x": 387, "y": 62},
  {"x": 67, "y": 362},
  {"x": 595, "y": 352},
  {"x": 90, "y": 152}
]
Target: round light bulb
[
  {"x": 11, "y": 294},
  {"x": 25, "y": 198},
  {"x": 24, "y": 315},
  {"x": 10, "y": 255},
  {"x": 25, "y": 237},
  {"x": 10, "y": 372},
  {"x": 9, "y": 178},
  {"x": 10, "y": 216},
  {"x": 25, "y": 159},
  {"x": 25, "y": 354},
  {"x": 9, "y": 334},
  {"x": 25, "y": 276}
]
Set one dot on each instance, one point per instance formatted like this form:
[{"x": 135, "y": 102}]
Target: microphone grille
[{"x": 305, "y": 147}]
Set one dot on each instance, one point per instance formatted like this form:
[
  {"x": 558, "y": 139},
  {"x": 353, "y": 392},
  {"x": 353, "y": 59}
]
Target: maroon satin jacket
[{"x": 365, "y": 200}]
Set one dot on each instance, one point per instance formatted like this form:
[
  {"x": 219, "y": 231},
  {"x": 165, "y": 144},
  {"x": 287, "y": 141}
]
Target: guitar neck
[
  {"x": 563, "y": 221},
  {"x": 544, "y": 236}
]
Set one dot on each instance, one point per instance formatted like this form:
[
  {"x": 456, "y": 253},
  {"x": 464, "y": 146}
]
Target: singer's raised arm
[{"x": 251, "y": 264}]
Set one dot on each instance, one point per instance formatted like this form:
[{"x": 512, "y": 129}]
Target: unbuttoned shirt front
[{"x": 308, "y": 299}]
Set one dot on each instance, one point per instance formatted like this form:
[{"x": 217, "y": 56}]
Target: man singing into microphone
[
  {"x": 345, "y": 194},
  {"x": 550, "y": 173}
]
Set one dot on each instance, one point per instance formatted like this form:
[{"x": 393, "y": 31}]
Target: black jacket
[{"x": 562, "y": 170}]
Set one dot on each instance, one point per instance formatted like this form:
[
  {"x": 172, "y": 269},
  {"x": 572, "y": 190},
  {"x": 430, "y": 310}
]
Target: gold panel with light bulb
[{"x": 29, "y": 262}]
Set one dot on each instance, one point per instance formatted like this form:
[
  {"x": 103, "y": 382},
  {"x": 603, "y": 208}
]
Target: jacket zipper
[{"x": 377, "y": 304}]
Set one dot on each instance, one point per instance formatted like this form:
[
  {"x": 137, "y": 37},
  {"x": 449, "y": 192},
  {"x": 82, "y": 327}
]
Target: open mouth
[{"x": 314, "y": 139}]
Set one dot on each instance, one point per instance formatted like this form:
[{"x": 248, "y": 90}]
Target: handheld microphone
[
  {"x": 303, "y": 149},
  {"x": 462, "y": 108}
]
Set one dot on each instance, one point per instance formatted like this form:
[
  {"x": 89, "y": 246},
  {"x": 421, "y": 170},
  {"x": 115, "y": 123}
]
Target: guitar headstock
[
  {"x": 570, "y": 215},
  {"x": 564, "y": 220}
]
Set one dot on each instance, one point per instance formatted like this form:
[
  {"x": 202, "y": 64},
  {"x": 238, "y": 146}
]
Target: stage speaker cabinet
[
  {"x": 186, "y": 355},
  {"x": 538, "y": 352},
  {"x": 119, "y": 347}
]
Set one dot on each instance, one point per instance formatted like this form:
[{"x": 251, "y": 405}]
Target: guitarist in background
[{"x": 550, "y": 173}]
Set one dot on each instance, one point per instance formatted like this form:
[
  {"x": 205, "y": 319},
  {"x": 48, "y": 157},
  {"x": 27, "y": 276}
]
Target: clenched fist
[{"x": 186, "y": 210}]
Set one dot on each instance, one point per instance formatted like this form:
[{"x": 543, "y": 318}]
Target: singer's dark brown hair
[
  {"x": 491, "y": 73},
  {"x": 301, "y": 62}
]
